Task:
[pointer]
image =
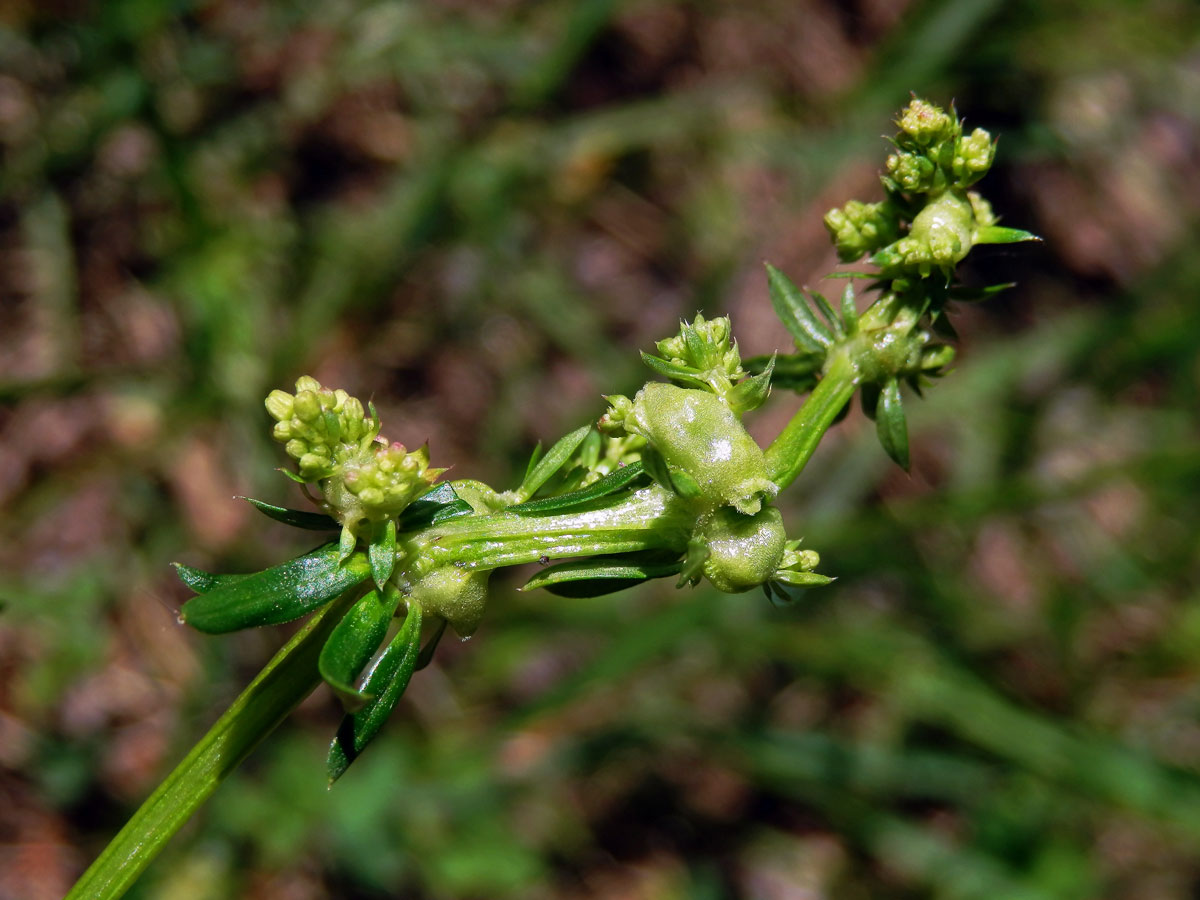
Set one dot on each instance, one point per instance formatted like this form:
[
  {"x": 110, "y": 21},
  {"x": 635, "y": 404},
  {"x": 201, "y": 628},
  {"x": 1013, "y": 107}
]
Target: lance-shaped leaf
[
  {"x": 753, "y": 391},
  {"x": 382, "y": 552},
  {"x": 802, "y": 579},
  {"x": 998, "y": 234},
  {"x": 439, "y": 505},
  {"x": 202, "y": 582},
  {"x": 609, "y": 484},
  {"x": 794, "y": 312},
  {"x": 276, "y": 595},
  {"x": 675, "y": 371},
  {"x": 794, "y": 372},
  {"x": 354, "y": 641},
  {"x": 386, "y": 681},
  {"x": 850, "y": 310},
  {"x": 600, "y": 575},
  {"x": 295, "y": 517},
  {"x": 890, "y": 423},
  {"x": 556, "y": 457},
  {"x": 827, "y": 311}
]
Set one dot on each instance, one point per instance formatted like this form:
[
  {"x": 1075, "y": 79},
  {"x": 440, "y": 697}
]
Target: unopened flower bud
[
  {"x": 924, "y": 124},
  {"x": 307, "y": 406},
  {"x": 307, "y": 383},
  {"x": 279, "y": 405},
  {"x": 973, "y": 157}
]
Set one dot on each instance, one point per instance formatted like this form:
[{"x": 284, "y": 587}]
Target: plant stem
[
  {"x": 285, "y": 681},
  {"x": 790, "y": 452},
  {"x": 645, "y": 519}
]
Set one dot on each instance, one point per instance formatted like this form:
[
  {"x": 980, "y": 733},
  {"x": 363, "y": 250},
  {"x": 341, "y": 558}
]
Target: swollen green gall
[
  {"x": 744, "y": 552},
  {"x": 452, "y": 593},
  {"x": 698, "y": 434}
]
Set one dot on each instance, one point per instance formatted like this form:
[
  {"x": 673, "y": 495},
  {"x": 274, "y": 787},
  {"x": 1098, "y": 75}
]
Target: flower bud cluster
[
  {"x": 860, "y": 228},
  {"x": 705, "y": 345},
  {"x": 317, "y": 424},
  {"x": 388, "y": 479},
  {"x": 336, "y": 445},
  {"x": 932, "y": 153}
]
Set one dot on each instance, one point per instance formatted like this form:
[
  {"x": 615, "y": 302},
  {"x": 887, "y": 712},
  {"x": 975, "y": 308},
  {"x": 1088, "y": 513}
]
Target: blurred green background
[{"x": 476, "y": 213}]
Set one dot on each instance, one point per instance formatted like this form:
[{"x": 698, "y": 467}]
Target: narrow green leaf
[
  {"x": 753, "y": 391},
  {"x": 693, "y": 562},
  {"x": 438, "y": 505},
  {"x": 533, "y": 461},
  {"x": 202, "y": 582},
  {"x": 975, "y": 295},
  {"x": 295, "y": 517},
  {"x": 354, "y": 641},
  {"x": 292, "y": 475},
  {"x": 850, "y": 309},
  {"x": 684, "y": 484},
  {"x": 276, "y": 595},
  {"x": 426, "y": 655},
  {"x": 793, "y": 311},
  {"x": 674, "y": 371},
  {"x": 599, "y": 575},
  {"x": 802, "y": 579},
  {"x": 998, "y": 234},
  {"x": 609, "y": 484},
  {"x": 556, "y": 457},
  {"x": 830, "y": 316},
  {"x": 793, "y": 372},
  {"x": 386, "y": 681},
  {"x": 890, "y": 423},
  {"x": 382, "y": 553},
  {"x": 656, "y": 467},
  {"x": 347, "y": 542},
  {"x": 589, "y": 450}
]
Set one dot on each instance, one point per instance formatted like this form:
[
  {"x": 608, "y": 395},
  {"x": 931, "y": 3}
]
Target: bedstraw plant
[{"x": 667, "y": 484}]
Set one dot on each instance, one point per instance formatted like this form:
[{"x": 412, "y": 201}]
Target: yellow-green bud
[
  {"x": 307, "y": 406},
  {"x": 279, "y": 405},
  {"x": 924, "y": 123}
]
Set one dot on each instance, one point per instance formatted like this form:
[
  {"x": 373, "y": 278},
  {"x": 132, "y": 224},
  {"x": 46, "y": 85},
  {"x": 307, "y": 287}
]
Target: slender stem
[
  {"x": 645, "y": 519},
  {"x": 285, "y": 681},
  {"x": 790, "y": 452}
]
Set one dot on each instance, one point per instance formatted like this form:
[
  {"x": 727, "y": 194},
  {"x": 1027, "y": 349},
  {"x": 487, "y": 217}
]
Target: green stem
[
  {"x": 285, "y": 681},
  {"x": 790, "y": 452},
  {"x": 646, "y": 519}
]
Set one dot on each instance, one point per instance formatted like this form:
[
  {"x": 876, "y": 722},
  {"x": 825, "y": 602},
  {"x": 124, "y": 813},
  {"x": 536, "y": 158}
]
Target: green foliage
[{"x": 458, "y": 210}]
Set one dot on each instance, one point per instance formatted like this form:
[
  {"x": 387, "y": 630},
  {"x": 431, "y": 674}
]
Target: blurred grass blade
[
  {"x": 387, "y": 681},
  {"x": 354, "y": 641},
  {"x": 276, "y": 595}
]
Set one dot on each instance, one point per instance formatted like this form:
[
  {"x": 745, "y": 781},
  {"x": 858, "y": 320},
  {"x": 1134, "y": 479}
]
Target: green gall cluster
[
  {"x": 861, "y": 228},
  {"x": 699, "y": 436},
  {"x": 915, "y": 173},
  {"x": 940, "y": 236}
]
